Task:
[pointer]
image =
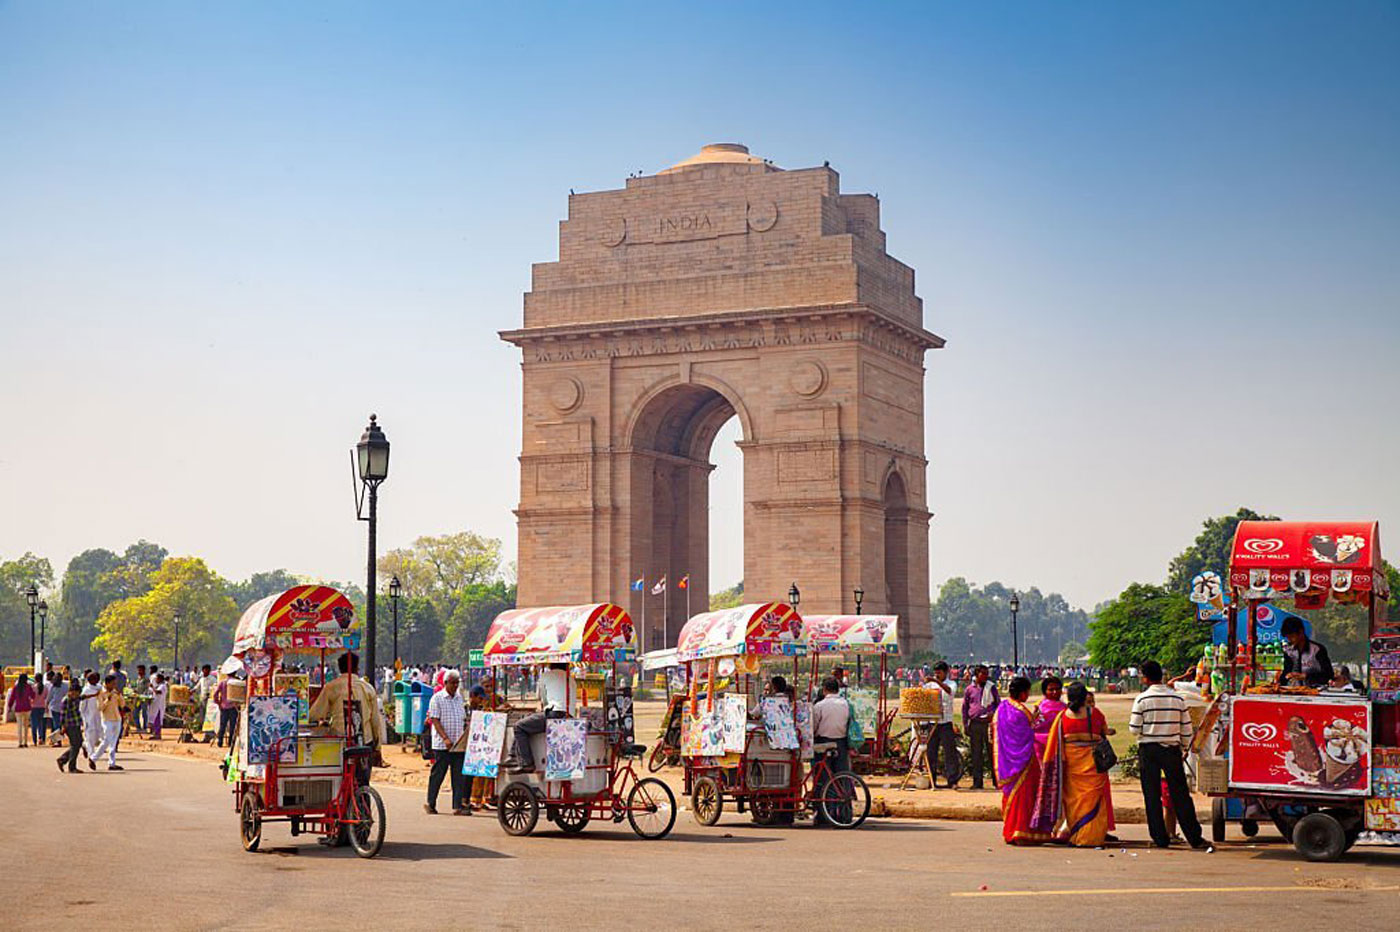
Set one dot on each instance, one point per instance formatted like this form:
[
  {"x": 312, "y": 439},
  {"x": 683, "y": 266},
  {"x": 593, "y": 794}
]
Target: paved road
[{"x": 158, "y": 844}]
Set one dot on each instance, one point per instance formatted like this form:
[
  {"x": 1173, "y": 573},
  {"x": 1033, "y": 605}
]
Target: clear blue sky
[{"x": 1163, "y": 241}]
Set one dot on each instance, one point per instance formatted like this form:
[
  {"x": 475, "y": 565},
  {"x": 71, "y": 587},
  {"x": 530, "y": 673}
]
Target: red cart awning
[
  {"x": 761, "y": 629},
  {"x": 1340, "y": 556},
  {"x": 594, "y": 633}
]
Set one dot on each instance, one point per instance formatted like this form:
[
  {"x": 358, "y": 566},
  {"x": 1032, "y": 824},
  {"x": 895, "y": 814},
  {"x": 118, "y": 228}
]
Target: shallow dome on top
[{"x": 718, "y": 153}]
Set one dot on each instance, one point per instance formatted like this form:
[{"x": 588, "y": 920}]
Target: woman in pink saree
[
  {"x": 1018, "y": 769},
  {"x": 1073, "y": 804},
  {"x": 1049, "y": 709}
]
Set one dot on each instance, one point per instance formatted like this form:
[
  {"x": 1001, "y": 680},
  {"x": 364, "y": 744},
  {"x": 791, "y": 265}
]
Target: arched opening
[
  {"x": 671, "y": 442},
  {"x": 896, "y": 505}
]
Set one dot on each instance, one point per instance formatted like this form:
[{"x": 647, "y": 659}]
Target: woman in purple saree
[{"x": 1018, "y": 768}]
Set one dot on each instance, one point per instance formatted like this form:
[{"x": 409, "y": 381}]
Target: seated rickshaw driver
[
  {"x": 366, "y": 725},
  {"x": 556, "y": 701}
]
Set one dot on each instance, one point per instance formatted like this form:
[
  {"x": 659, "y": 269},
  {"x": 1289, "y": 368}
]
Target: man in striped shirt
[{"x": 1163, "y": 726}]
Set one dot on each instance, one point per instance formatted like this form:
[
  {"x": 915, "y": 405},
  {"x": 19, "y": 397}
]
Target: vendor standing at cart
[
  {"x": 366, "y": 725},
  {"x": 1305, "y": 661}
]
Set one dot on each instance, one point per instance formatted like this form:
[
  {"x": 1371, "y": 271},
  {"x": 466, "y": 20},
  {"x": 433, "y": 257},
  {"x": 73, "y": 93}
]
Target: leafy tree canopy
[
  {"x": 143, "y": 626},
  {"x": 1210, "y": 550},
  {"x": 732, "y": 597},
  {"x": 1148, "y": 622}
]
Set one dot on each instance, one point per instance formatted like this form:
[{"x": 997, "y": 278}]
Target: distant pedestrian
[
  {"x": 19, "y": 703},
  {"x": 92, "y": 717},
  {"x": 109, "y": 704},
  {"x": 1163, "y": 725},
  {"x": 38, "y": 724},
  {"x": 156, "y": 716},
  {"x": 228, "y": 711},
  {"x": 980, "y": 700},
  {"x": 71, "y": 724},
  {"x": 118, "y": 673},
  {"x": 58, "y": 690}
]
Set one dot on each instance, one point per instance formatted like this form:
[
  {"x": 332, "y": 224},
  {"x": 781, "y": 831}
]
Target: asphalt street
[{"x": 158, "y": 844}]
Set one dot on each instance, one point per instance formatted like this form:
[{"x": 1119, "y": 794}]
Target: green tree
[
  {"x": 1148, "y": 622},
  {"x": 15, "y": 577},
  {"x": 88, "y": 587},
  {"x": 1210, "y": 550},
  {"x": 476, "y": 607},
  {"x": 732, "y": 597},
  {"x": 975, "y": 623},
  {"x": 1072, "y": 653},
  {"x": 260, "y": 586},
  {"x": 143, "y": 625}
]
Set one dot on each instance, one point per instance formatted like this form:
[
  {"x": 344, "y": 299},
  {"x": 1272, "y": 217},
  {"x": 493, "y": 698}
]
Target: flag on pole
[
  {"x": 638, "y": 584},
  {"x": 684, "y": 582},
  {"x": 660, "y": 586}
]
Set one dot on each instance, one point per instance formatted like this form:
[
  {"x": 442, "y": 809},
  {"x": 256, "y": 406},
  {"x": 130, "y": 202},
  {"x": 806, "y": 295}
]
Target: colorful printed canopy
[
  {"x": 315, "y": 617},
  {"x": 1303, "y": 555},
  {"x": 853, "y": 634},
  {"x": 561, "y": 633},
  {"x": 768, "y": 628}
]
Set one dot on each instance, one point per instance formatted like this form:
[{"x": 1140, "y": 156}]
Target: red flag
[{"x": 684, "y": 583}]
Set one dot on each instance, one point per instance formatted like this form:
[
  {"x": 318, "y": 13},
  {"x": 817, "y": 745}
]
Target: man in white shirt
[
  {"x": 556, "y": 701},
  {"x": 831, "y": 717},
  {"x": 944, "y": 740},
  {"x": 92, "y": 718},
  {"x": 447, "y": 716}
]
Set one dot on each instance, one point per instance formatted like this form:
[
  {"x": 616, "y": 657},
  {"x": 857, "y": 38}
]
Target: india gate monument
[{"x": 725, "y": 287}]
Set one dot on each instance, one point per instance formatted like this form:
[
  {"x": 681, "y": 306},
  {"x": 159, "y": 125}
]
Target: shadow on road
[{"x": 419, "y": 851}]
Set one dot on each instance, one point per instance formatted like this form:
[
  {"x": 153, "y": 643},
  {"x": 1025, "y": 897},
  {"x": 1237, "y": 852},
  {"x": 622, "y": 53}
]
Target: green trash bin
[{"x": 403, "y": 707}]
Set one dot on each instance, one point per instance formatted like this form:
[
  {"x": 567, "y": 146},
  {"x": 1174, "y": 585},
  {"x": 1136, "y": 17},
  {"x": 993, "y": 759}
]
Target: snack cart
[
  {"x": 860, "y": 636},
  {"x": 283, "y": 770},
  {"x": 585, "y": 765},
  {"x": 1324, "y": 767},
  {"x": 758, "y": 764}
]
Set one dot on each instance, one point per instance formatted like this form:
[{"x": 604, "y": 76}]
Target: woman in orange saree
[
  {"x": 1073, "y": 804},
  {"x": 1018, "y": 769}
]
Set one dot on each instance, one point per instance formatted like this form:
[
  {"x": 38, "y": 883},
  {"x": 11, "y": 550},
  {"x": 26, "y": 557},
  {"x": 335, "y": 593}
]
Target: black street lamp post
[
  {"x": 31, "y": 595},
  {"x": 794, "y": 596},
  {"x": 177, "y": 643},
  {"x": 859, "y": 593},
  {"x": 1015, "y": 634},
  {"x": 372, "y": 465},
  {"x": 394, "y": 587},
  {"x": 43, "y": 624}
]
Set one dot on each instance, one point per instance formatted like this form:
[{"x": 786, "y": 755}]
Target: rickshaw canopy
[
  {"x": 660, "y": 659},
  {"x": 853, "y": 634},
  {"x": 304, "y": 617},
  {"x": 594, "y": 633},
  {"x": 761, "y": 629},
  {"x": 1299, "y": 556}
]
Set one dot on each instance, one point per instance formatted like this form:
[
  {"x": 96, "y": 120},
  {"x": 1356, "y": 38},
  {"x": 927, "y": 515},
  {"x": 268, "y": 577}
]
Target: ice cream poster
[
  {"x": 733, "y": 717},
  {"x": 779, "y": 723},
  {"x": 295, "y": 684},
  {"x": 1319, "y": 746},
  {"x": 486, "y": 735},
  {"x": 1208, "y": 593},
  {"x": 565, "y": 741},
  {"x": 272, "y": 719}
]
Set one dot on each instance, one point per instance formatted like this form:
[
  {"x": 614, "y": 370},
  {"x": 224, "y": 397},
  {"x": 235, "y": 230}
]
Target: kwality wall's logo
[
  {"x": 1264, "y": 546},
  {"x": 1258, "y": 733}
]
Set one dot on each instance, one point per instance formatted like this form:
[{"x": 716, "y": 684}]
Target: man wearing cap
[{"x": 447, "y": 716}]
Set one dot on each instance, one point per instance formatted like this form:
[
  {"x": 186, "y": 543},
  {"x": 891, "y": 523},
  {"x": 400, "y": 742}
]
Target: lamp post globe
[
  {"x": 859, "y": 593},
  {"x": 43, "y": 623},
  {"x": 794, "y": 596}
]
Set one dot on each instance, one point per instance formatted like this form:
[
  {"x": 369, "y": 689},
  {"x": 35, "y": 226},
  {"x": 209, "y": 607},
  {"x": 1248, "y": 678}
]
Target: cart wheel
[
  {"x": 763, "y": 811},
  {"x": 658, "y": 757},
  {"x": 845, "y": 801},
  {"x": 706, "y": 801},
  {"x": 954, "y": 770},
  {"x": 1250, "y": 827},
  {"x": 367, "y": 829},
  {"x": 250, "y": 821},
  {"x": 572, "y": 818},
  {"x": 1319, "y": 837},
  {"x": 651, "y": 808},
  {"x": 1217, "y": 820},
  {"x": 518, "y": 810}
]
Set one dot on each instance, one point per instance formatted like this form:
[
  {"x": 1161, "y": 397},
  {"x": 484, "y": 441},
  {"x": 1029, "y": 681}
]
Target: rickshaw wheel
[
  {"x": 1319, "y": 837},
  {"x": 367, "y": 832},
  {"x": 706, "y": 801},
  {"x": 763, "y": 811},
  {"x": 572, "y": 818},
  {"x": 651, "y": 808},
  {"x": 845, "y": 801},
  {"x": 1217, "y": 820},
  {"x": 518, "y": 810},
  {"x": 658, "y": 757},
  {"x": 1250, "y": 828},
  {"x": 250, "y": 821}
]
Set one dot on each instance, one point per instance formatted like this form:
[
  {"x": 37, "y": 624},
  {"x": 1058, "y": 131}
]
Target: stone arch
[
  {"x": 646, "y": 402},
  {"x": 894, "y": 503}
]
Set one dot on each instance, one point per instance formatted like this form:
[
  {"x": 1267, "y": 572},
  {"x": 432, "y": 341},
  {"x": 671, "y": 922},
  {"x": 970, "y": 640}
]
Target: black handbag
[{"x": 1105, "y": 758}]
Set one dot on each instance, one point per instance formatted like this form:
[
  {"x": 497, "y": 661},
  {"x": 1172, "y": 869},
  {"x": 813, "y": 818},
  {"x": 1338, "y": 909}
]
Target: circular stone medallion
[
  {"x": 566, "y": 393},
  {"x": 808, "y": 378}
]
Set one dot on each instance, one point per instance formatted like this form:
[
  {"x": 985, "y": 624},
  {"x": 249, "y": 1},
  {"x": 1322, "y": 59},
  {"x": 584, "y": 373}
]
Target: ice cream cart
[
  {"x": 282, "y": 769},
  {"x": 1324, "y": 767},
  {"x": 861, "y": 636}
]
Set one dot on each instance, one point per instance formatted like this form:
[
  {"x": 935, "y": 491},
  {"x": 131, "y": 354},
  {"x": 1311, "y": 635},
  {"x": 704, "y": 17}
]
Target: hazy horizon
[{"x": 1160, "y": 240}]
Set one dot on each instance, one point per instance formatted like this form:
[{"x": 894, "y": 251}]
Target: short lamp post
[
  {"x": 31, "y": 596},
  {"x": 177, "y": 643},
  {"x": 859, "y": 593},
  {"x": 43, "y": 624},
  {"x": 1015, "y": 634},
  {"x": 394, "y": 588},
  {"x": 372, "y": 467}
]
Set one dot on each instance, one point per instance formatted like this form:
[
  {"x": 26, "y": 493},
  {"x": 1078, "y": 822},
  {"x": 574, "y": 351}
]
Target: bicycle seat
[
  {"x": 633, "y": 750},
  {"x": 824, "y": 747}
]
